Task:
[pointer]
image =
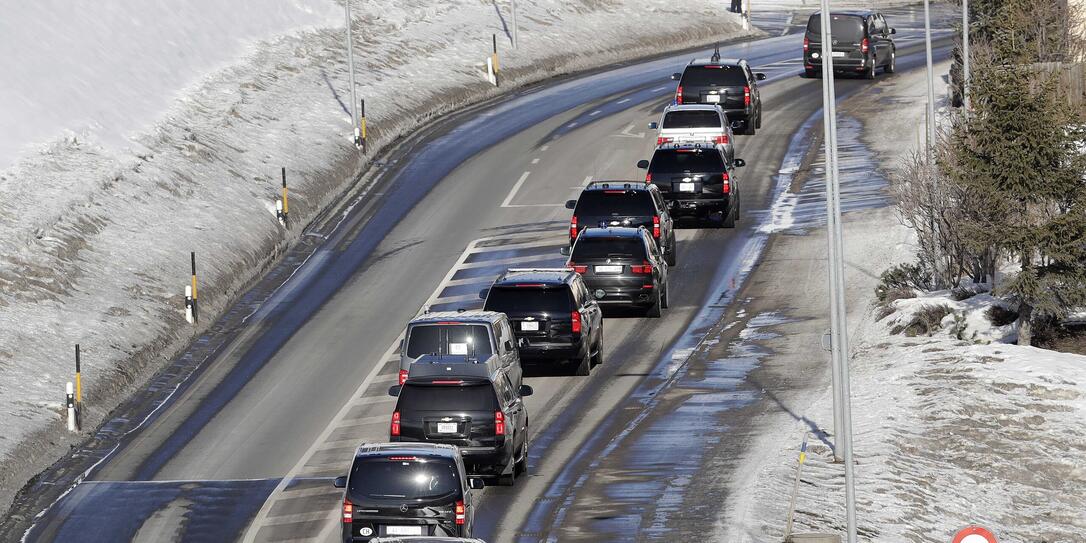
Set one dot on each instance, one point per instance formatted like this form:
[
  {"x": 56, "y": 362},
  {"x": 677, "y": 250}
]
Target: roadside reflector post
[
  {"x": 795, "y": 487},
  {"x": 282, "y": 206},
  {"x": 188, "y": 303},
  {"x": 494, "y": 57},
  {"x": 191, "y": 296},
  {"x": 69, "y": 401},
  {"x": 362, "y": 122},
  {"x": 78, "y": 391}
]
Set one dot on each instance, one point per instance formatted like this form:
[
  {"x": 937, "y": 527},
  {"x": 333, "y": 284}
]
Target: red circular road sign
[{"x": 974, "y": 534}]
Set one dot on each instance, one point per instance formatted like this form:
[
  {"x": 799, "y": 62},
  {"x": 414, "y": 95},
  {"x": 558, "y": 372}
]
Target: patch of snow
[{"x": 968, "y": 319}]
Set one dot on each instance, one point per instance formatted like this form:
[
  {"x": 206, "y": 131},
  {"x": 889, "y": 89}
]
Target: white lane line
[
  {"x": 516, "y": 187},
  {"x": 658, "y": 89},
  {"x": 572, "y": 124},
  {"x": 535, "y": 205},
  {"x": 544, "y": 148},
  {"x": 623, "y": 101},
  {"x": 535, "y": 161},
  {"x": 594, "y": 113}
]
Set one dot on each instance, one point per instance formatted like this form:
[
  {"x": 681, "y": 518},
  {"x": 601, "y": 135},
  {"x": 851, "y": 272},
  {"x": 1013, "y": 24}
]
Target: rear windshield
[
  {"x": 445, "y": 398},
  {"x": 450, "y": 339},
  {"x": 520, "y": 299},
  {"x": 720, "y": 76},
  {"x": 598, "y": 248},
  {"x": 848, "y": 28},
  {"x": 403, "y": 478},
  {"x": 681, "y": 161},
  {"x": 615, "y": 203},
  {"x": 692, "y": 119}
]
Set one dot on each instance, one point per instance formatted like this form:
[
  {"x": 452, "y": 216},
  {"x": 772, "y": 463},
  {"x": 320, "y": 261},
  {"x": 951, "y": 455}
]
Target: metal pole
[
  {"x": 931, "y": 81},
  {"x": 965, "y": 53},
  {"x": 516, "y": 40},
  {"x": 838, "y": 331},
  {"x": 350, "y": 69}
]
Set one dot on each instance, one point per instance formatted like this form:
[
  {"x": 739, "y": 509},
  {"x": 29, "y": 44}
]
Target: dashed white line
[
  {"x": 572, "y": 124},
  {"x": 658, "y": 89},
  {"x": 623, "y": 101},
  {"x": 535, "y": 161},
  {"x": 516, "y": 187},
  {"x": 594, "y": 113},
  {"x": 544, "y": 148}
]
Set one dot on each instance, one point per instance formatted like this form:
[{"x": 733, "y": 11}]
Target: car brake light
[
  {"x": 746, "y": 96},
  {"x": 402, "y": 458},
  {"x": 576, "y": 268},
  {"x": 395, "y": 429},
  {"x": 722, "y": 140},
  {"x": 656, "y": 226},
  {"x": 679, "y": 95},
  {"x": 573, "y": 228},
  {"x": 727, "y": 185},
  {"x": 648, "y": 178},
  {"x": 864, "y": 45},
  {"x": 403, "y": 376},
  {"x": 461, "y": 513},
  {"x": 644, "y": 269},
  {"x": 576, "y": 324},
  {"x": 662, "y": 140},
  {"x": 499, "y": 423},
  {"x": 348, "y": 511},
  {"x": 806, "y": 44}
]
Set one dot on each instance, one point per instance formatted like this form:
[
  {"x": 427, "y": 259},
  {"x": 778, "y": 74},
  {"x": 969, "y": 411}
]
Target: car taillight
[
  {"x": 656, "y": 226},
  {"x": 348, "y": 511},
  {"x": 644, "y": 269},
  {"x": 576, "y": 268},
  {"x": 662, "y": 140},
  {"x": 864, "y": 46},
  {"x": 403, "y": 376},
  {"x": 648, "y": 178},
  {"x": 499, "y": 423},
  {"x": 679, "y": 95},
  {"x": 806, "y": 44},
  {"x": 727, "y": 182},
  {"x": 395, "y": 428},
  {"x": 722, "y": 140},
  {"x": 576, "y": 324},
  {"x": 573, "y": 228},
  {"x": 746, "y": 96},
  {"x": 461, "y": 513}
]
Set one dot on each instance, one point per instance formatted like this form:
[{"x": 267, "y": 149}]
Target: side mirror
[
  {"x": 759, "y": 76},
  {"x": 739, "y": 163},
  {"x": 643, "y": 164},
  {"x": 484, "y": 293},
  {"x": 676, "y": 76},
  {"x": 526, "y": 390},
  {"x": 571, "y": 204},
  {"x": 394, "y": 390},
  {"x": 475, "y": 483},
  {"x": 564, "y": 251},
  {"x": 654, "y": 125},
  {"x": 736, "y": 125},
  {"x": 509, "y": 345},
  {"x": 893, "y": 31},
  {"x": 340, "y": 482}
]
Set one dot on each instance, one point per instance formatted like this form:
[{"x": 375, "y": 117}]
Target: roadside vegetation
[{"x": 998, "y": 204}]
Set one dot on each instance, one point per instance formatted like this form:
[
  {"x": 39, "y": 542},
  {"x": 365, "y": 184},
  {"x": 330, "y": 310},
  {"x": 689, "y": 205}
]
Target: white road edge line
[
  {"x": 623, "y": 101},
  {"x": 535, "y": 161},
  {"x": 516, "y": 187}
]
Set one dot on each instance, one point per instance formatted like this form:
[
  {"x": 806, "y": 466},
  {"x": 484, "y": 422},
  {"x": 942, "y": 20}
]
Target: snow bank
[{"x": 98, "y": 224}]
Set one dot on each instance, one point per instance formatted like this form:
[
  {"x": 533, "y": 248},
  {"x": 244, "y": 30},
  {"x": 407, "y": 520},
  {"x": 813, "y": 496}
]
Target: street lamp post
[
  {"x": 965, "y": 53},
  {"x": 931, "y": 83},
  {"x": 350, "y": 70},
  {"x": 516, "y": 38},
  {"x": 835, "y": 265}
]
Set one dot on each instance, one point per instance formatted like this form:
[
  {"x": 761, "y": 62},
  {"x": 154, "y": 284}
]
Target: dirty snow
[{"x": 100, "y": 210}]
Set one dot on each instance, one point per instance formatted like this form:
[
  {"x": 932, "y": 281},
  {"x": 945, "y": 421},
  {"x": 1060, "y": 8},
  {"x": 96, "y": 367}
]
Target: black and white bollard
[
  {"x": 70, "y": 402},
  {"x": 188, "y": 303}
]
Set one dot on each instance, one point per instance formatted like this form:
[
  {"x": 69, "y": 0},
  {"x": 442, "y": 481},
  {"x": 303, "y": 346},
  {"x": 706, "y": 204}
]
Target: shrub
[
  {"x": 903, "y": 277},
  {"x": 926, "y": 321}
]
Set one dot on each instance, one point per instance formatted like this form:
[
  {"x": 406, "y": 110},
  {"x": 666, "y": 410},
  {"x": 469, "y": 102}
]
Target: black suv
[
  {"x": 861, "y": 43},
  {"x": 396, "y": 489},
  {"x": 696, "y": 180},
  {"x": 624, "y": 203},
  {"x": 473, "y": 406},
  {"x": 622, "y": 267},
  {"x": 553, "y": 314},
  {"x": 729, "y": 82}
]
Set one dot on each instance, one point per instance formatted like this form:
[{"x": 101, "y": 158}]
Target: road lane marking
[
  {"x": 628, "y": 132},
  {"x": 516, "y": 187},
  {"x": 572, "y": 124},
  {"x": 535, "y": 161},
  {"x": 594, "y": 113},
  {"x": 623, "y": 101},
  {"x": 544, "y": 148},
  {"x": 658, "y": 89}
]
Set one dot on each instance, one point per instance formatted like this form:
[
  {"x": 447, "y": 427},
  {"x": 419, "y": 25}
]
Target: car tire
[
  {"x": 508, "y": 479},
  {"x": 664, "y": 298},
  {"x": 892, "y": 66},
  {"x": 671, "y": 258},
  {"x": 728, "y": 218},
  {"x": 870, "y": 72},
  {"x": 585, "y": 367},
  {"x": 521, "y": 467},
  {"x": 749, "y": 129},
  {"x": 654, "y": 311},
  {"x": 598, "y": 358},
  {"x": 812, "y": 73},
  {"x": 758, "y": 124}
]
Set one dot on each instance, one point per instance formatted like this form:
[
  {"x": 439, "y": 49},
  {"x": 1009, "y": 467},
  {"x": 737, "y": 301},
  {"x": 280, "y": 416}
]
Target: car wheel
[
  {"x": 892, "y": 66},
  {"x": 585, "y": 367},
  {"x": 749, "y": 129},
  {"x": 508, "y": 479},
  {"x": 664, "y": 298},
  {"x": 521, "y": 466},
  {"x": 870, "y": 72},
  {"x": 671, "y": 257},
  {"x": 729, "y": 216},
  {"x": 758, "y": 124},
  {"x": 654, "y": 310},
  {"x": 598, "y": 358}
]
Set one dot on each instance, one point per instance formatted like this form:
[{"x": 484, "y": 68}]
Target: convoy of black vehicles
[{"x": 460, "y": 410}]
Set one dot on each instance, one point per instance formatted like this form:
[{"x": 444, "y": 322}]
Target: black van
[
  {"x": 473, "y": 406},
  {"x": 862, "y": 43},
  {"x": 407, "y": 489}
]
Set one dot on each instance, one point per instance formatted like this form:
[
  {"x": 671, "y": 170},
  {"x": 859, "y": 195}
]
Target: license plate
[
  {"x": 838, "y": 53},
  {"x": 712, "y": 98},
  {"x": 608, "y": 269},
  {"x": 446, "y": 427},
  {"x": 529, "y": 326},
  {"x": 403, "y": 530},
  {"x": 686, "y": 187}
]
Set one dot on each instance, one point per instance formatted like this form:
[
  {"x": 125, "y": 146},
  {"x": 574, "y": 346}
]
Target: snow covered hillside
[{"x": 144, "y": 130}]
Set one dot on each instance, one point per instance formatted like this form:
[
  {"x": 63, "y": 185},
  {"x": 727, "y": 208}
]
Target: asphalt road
[{"x": 249, "y": 447}]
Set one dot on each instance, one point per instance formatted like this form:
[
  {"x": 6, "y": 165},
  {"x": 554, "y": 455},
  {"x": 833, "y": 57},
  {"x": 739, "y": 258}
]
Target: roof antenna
[{"x": 716, "y": 52}]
